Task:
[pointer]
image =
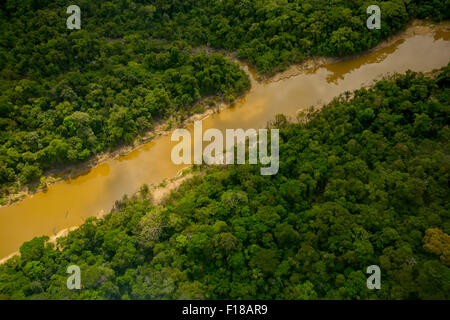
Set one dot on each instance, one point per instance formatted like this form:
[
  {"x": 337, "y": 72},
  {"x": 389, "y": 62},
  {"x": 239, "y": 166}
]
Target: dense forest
[
  {"x": 66, "y": 95},
  {"x": 362, "y": 181}
]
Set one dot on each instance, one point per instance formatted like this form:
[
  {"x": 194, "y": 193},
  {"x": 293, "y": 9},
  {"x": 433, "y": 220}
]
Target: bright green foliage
[
  {"x": 66, "y": 95},
  {"x": 362, "y": 182}
]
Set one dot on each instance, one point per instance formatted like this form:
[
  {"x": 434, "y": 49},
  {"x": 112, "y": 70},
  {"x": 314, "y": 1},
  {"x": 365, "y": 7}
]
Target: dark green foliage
[
  {"x": 69, "y": 94},
  {"x": 363, "y": 181},
  {"x": 66, "y": 95}
]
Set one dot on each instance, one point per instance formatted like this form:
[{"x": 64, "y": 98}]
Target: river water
[{"x": 70, "y": 202}]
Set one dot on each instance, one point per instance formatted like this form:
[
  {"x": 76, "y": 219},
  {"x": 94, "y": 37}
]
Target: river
[{"x": 69, "y": 203}]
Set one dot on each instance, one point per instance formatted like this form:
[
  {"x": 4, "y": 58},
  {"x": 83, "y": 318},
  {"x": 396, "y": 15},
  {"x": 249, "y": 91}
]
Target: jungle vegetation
[
  {"x": 66, "y": 95},
  {"x": 362, "y": 181}
]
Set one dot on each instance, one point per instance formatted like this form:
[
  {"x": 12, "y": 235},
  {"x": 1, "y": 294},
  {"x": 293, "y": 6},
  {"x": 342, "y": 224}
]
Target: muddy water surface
[{"x": 69, "y": 203}]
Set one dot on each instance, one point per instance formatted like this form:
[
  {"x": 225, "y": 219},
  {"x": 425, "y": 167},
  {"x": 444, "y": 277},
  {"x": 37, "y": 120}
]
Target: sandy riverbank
[
  {"x": 157, "y": 194},
  {"x": 163, "y": 128},
  {"x": 415, "y": 27}
]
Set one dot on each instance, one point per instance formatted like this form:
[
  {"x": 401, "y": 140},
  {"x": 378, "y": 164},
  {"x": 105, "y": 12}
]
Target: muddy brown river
[{"x": 69, "y": 203}]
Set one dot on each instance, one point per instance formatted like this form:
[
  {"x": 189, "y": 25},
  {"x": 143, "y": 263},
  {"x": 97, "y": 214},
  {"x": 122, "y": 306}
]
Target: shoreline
[
  {"x": 161, "y": 128},
  {"x": 159, "y": 190},
  {"x": 157, "y": 194},
  {"x": 165, "y": 127},
  {"x": 413, "y": 28}
]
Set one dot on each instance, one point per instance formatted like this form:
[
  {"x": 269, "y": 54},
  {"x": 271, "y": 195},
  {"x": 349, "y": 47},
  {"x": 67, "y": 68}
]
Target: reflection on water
[
  {"x": 68, "y": 203},
  {"x": 340, "y": 69}
]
